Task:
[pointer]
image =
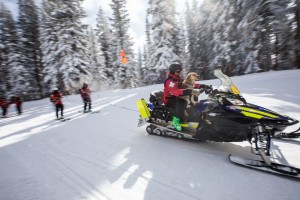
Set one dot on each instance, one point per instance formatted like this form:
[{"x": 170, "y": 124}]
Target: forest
[{"x": 48, "y": 45}]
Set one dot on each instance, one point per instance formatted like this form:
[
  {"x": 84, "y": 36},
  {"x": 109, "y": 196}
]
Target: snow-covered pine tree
[
  {"x": 150, "y": 76},
  {"x": 121, "y": 40},
  {"x": 265, "y": 18},
  {"x": 296, "y": 10},
  {"x": 68, "y": 51},
  {"x": 219, "y": 44},
  {"x": 281, "y": 40},
  {"x": 4, "y": 50},
  {"x": 202, "y": 36},
  {"x": 245, "y": 36},
  {"x": 162, "y": 21},
  {"x": 28, "y": 26},
  {"x": 181, "y": 44},
  {"x": 192, "y": 26},
  {"x": 139, "y": 72},
  {"x": 227, "y": 40},
  {"x": 103, "y": 33},
  {"x": 250, "y": 44},
  {"x": 12, "y": 72},
  {"x": 49, "y": 46},
  {"x": 97, "y": 62},
  {"x": 147, "y": 46}
]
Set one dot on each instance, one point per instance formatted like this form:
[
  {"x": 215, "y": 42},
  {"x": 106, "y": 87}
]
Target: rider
[
  {"x": 56, "y": 99},
  {"x": 85, "y": 93},
  {"x": 173, "y": 88}
]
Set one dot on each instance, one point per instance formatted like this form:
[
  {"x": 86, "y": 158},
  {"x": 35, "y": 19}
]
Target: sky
[
  {"x": 136, "y": 9},
  {"x": 105, "y": 156}
]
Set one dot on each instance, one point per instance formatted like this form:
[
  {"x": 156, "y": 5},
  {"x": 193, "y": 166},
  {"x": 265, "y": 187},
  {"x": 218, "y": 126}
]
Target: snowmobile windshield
[{"x": 226, "y": 83}]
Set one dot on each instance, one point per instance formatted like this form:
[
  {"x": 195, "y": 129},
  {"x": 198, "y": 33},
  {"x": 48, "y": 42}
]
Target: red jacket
[
  {"x": 85, "y": 92},
  {"x": 56, "y": 98},
  {"x": 16, "y": 100},
  {"x": 4, "y": 103},
  {"x": 173, "y": 86}
]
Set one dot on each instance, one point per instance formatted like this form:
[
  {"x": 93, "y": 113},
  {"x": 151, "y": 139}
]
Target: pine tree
[
  {"x": 147, "y": 46},
  {"x": 121, "y": 40},
  {"x": 265, "y": 18},
  {"x": 97, "y": 62},
  {"x": 227, "y": 38},
  {"x": 139, "y": 72},
  {"x": 12, "y": 72},
  {"x": 4, "y": 17},
  {"x": 244, "y": 36},
  {"x": 162, "y": 22},
  {"x": 103, "y": 33},
  {"x": 49, "y": 46},
  {"x": 282, "y": 40},
  {"x": 296, "y": 9},
  {"x": 28, "y": 25},
  {"x": 250, "y": 44},
  {"x": 181, "y": 44},
  {"x": 192, "y": 23},
  {"x": 65, "y": 45}
]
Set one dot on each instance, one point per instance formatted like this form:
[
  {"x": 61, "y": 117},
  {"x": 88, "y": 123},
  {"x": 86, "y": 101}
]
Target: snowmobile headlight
[{"x": 235, "y": 101}]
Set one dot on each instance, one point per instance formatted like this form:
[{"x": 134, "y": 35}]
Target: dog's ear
[{"x": 188, "y": 78}]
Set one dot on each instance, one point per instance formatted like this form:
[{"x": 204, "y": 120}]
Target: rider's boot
[{"x": 176, "y": 124}]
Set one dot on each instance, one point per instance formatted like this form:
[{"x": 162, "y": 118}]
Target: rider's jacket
[{"x": 174, "y": 86}]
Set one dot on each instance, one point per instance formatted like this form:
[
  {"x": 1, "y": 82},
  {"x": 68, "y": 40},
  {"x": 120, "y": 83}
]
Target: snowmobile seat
[
  {"x": 160, "y": 111},
  {"x": 156, "y": 98}
]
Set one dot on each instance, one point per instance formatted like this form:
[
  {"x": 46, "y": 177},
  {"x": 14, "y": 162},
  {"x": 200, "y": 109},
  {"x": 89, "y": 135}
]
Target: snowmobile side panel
[
  {"x": 143, "y": 109},
  {"x": 224, "y": 127}
]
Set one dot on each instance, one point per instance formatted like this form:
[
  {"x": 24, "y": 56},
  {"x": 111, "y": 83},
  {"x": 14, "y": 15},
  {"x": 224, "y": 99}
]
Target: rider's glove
[{"x": 206, "y": 87}]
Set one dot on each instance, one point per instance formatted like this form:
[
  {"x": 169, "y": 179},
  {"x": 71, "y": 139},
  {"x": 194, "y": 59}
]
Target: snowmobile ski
[
  {"x": 261, "y": 165},
  {"x": 294, "y": 134}
]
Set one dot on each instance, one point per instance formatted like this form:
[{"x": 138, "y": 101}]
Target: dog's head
[{"x": 191, "y": 78}]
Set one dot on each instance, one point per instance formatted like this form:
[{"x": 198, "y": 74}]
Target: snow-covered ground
[{"x": 106, "y": 156}]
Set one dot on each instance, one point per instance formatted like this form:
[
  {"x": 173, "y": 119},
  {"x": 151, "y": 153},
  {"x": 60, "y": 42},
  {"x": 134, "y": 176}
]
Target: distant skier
[
  {"x": 4, "y": 106},
  {"x": 56, "y": 99},
  {"x": 17, "y": 100},
  {"x": 85, "y": 93}
]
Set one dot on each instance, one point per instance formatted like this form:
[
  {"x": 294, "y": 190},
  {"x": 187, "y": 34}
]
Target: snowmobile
[{"x": 225, "y": 116}]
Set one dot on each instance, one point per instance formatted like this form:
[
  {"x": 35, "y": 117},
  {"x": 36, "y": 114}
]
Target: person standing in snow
[
  {"x": 4, "y": 106},
  {"x": 56, "y": 99},
  {"x": 17, "y": 100},
  {"x": 85, "y": 93}
]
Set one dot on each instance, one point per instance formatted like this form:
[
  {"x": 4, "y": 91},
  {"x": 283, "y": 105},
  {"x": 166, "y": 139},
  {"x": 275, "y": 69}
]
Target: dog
[
  {"x": 190, "y": 80},
  {"x": 189, "y": 83}
]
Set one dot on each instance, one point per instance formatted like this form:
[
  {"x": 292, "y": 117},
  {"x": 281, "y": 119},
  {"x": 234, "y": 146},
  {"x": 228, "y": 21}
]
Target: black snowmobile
[{"x": 224, "y": 116}]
